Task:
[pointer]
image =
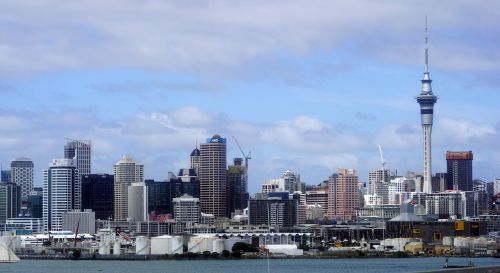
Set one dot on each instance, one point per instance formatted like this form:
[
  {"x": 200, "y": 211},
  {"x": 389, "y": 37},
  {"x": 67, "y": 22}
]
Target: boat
[{"x": 6, "y": 254}]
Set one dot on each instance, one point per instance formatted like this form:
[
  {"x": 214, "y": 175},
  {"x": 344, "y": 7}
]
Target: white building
[
  {"x": 80, "y": 152},
  {"x": 126, "y": 171},
  {"x": 22, "y": 175},
  {"x": 84, "y": 221},
  {"x": 186, "y": 209},
  {"x": 59, "y": 192},
  {"x": 138, "y": 202}
]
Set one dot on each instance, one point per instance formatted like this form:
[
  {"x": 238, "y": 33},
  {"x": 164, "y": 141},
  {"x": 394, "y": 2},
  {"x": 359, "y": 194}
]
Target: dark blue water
[{"x": 384, "y": 265}]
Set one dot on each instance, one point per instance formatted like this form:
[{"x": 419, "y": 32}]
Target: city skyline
[{"x": 309, "y": 89}]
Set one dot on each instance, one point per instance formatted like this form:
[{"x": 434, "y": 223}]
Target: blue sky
[{"x": 308, "y": 86}]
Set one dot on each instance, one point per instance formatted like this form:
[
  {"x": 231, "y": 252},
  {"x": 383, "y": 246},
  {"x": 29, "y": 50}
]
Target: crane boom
[{"x": 381, "y": 157}]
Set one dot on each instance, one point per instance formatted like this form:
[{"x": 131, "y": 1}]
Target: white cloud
[
  {"x": 221, "y": 37},
  {"x": 463, "y": 132}
]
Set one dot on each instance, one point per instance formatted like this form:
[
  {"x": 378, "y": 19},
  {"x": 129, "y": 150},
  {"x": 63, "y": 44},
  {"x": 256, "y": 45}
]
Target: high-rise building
[
  {"x": 98, "y": 195},
  {"x": 426, "y": 100},
  {"x": 159, "y": 201},
  {"x": 459, "y": 170},
  {"x": 377, "y": 177},
  {"x": 59, "y": 190},
  {"x": 213, "y": 177},
  {"x": 22, "y": 175},
  {"x": 126, "y": 171},
  {"x": 289, "y": 182},
  {"x": 10, "y": 201},
  {"x": 236, "y": 176},
  {"x": 138, "y": 201},
  {"x": 439, "y": 182},
  {"x": 186, "y": 209},
  {"x": 80, "y": 151},
  {"x": 343, "y": 199},
  {"x": 194, "y": 160}
]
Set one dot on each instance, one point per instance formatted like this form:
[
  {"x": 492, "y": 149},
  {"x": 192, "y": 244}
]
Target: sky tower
[{"x": 426, "y": 99}]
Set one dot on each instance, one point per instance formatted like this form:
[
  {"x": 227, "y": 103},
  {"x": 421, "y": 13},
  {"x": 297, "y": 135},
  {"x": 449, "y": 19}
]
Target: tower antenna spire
[{"x": 426, "y": 47}]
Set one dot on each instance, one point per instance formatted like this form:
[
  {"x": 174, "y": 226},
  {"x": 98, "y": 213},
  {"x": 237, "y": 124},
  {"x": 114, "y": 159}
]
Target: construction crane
[
  {"x": 382, "y": 162},
  {"x": 246, "y": 157}
]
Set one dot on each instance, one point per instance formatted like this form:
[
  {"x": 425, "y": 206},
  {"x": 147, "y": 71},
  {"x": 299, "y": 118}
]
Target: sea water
[{"x": 366, "y": 265}]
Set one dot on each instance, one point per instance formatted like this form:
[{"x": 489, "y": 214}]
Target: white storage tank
[
  {"x": 202, "y": 243},
  {"x": 166, "y": 244},
  {"x": 142, "y": 245},
  {"x": 217, "y": 245}
]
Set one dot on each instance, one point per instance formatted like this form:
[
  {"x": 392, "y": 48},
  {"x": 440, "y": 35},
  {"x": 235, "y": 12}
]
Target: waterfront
[{"x": 367, "y": 265}]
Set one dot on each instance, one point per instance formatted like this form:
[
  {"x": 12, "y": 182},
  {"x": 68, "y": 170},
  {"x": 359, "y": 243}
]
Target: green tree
[{"x": 226, "y": 253}]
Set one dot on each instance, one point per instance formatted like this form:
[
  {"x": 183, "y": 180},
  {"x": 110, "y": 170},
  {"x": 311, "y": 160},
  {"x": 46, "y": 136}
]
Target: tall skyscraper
[
  {"x": 194, "y": 160},
  {"x": 10, "y": 203},
  {"x": 59, "y": 190},
  {"x": 426, "y": 99},
  {"x": 213, "y": 178},
  {"x": 22, "y": 175},
  {"x": 98, "y": 195},
  {"x": 459, "y": 170},
  {"x": 343, "y": 195},
  {"x": 127, "y": 171},
  {"x": 80, "y": 152},
  {"x": 238, "y": 195}
]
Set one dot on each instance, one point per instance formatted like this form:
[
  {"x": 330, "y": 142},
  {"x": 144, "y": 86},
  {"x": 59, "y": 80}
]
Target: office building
[
  {"x": 126, "y": 172},
  {"x": 10, "y": 201},
  {"x": 138, "y": 201},
  {"x": 377, "y": 177},
  {"x": 21, "y": 169},
  {"x": 159, "y": 200},
  {"x": 98, "y": 195},
  {"x": 238, "y": 195},
  {"x": 343, "y": 195},
  {"x": 186, "y": 209},
  {"x": 79, "y": 222},
  {"x": 59, "y": 190},
  {"x": 459, "y": 170},
  {"x": 440, "y": 182},
  {"x": 318, "y": 199},
  {"x": 454, "y": 204},
  {"x": 273, "y": 211},
  {"x": 426, "y": 100},
  {"x": 194, "y": 160},
  {"x": 213, "y": 177},
  {"x": 35, "y": 204}
]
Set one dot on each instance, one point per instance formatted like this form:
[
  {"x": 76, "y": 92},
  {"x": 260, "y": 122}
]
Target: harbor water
[{"x": 367, "y": 265}]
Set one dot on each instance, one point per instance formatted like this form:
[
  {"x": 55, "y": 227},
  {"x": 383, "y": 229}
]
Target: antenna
[{"x": 426, "y": 47}]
